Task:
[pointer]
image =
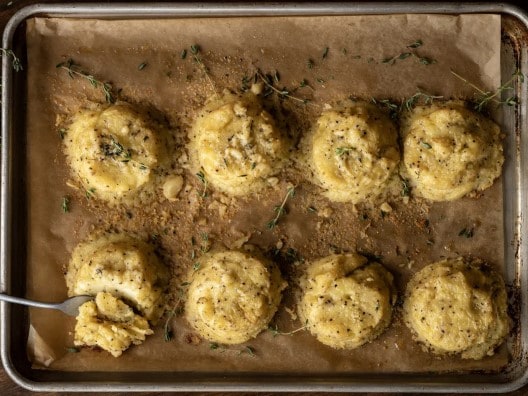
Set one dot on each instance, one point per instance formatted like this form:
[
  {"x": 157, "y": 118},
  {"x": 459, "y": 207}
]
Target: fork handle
[{"x": 24, "y": 301}]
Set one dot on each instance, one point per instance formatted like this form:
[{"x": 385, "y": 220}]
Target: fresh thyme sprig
[
  {"x": 75, "y": 70},
  {"x": 196, "y": 56},
  {"x": 177, "y": 309},
  {"x": 65, "y": 206},
  {"x": 406, "y": 190},
  {"x": 491, "y": 96},
  {"x": 205, "y": 245},
  {"x": 408, "y": 54},
  {"x": 90, "y": 193},
  {"x": 409, "y": 103},
  {"x": 15, "y": 62},
  {"x": 387, "y": 103},
  {"x": 116, "y": 149},
  {"x": 281, "y": 208},
  {"x": 201, "y": 176},
  {"x": 283, "y": 93},
  {"x": 276, "y": 332},
  {"x": 467, "y": 232}
]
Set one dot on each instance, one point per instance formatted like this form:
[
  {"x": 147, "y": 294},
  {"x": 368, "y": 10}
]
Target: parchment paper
[{"x": 410, "y": 237}]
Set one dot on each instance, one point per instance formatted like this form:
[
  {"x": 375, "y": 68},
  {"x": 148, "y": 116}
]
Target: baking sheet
[{"x": 233, "y": 48}]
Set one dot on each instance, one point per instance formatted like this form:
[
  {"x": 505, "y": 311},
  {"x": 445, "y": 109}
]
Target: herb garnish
[
  {"x": 340, "y": 151},
  {"x": 183, "y": 54},
  {"x": 310, "y": 63},
  {"x": 90, "y": 192},
  {"x": 116, "y": 149},
  {"x": 15, "y": 63},
  {"x": 176, "y": 310},
  {"x": 62, "y": 133},
  {"x": 391, "y": 106},
  {"x": 72, "y": 350},
  {"x": 75, "y": 70},
  {"x": 416, "y": 44},
  {"x": 404, "y": 55},
  {"x": 276, "y": 332},
  {"x": 205, "y": 246},
  {"x": 466, "y": 233},
  {"x": 281, "y": 208},
  {"x": 142, "y": 65},
  {"x": 268, "y": 81},
  {"x": 195, "y": 52},
  {"x": 65, "y": 206},
  {"x": 405, "y": 191},
  {"x": 202, "y": 178},
  {"x": 487, "y": 96},
  {"x": 325, "y": 52},
  {"x": 425, "y": 145},
  {"x": 409, "y": 103},
  {"x": 311, "y": 209}
]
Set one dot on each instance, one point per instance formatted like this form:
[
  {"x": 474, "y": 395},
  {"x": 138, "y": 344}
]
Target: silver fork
[{"x": 69, "y": 306}]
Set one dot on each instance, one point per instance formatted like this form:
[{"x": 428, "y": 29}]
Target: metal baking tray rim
[{"x": 395, "y": 382}]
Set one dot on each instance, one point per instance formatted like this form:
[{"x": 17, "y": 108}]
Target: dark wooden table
[{"x": 7, "y": 386}]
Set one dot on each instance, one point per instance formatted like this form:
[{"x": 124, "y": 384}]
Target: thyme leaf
[
  {"x": 75, "y": 70},
  {"x": 268, "y": 81},
  {"x": 340, "y": 151},
  {"x": 416, "y": 44},
  {"x": 281, "y": 208},
  {"x": 196, "y": 51},
  {"x": 404, "y": 55},
  {"x": 90, "y": 193},
  {"x": 466, "y": 233},
  {"x": 276, "y": 332},
  {"x": 201, "y": 176},
  {"x": 15, "y": 61},
  {"x": 142, "y": 65},
  {"x": 486, "y": 97},
  {"x": 391, "y": 106},
  {"x": 65, "y": 206},
  {"x": 409, "y": 103},
  {"x": 405, "y": 191}
]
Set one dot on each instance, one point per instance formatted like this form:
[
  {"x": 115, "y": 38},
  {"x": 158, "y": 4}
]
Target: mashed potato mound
[
  {"x": 232, "y": 296},
  {"x": 124, "y": 266},
  {"x": 109, "y": 324},
  {"x": 450, "y": 151},
  {"x": 113, "y": 152},
  {"x": 236, "y": 144},
  {"x": 353, "y": 151},
  {"x": 346, "y": 300},
  {"x": 457, "y": 307}
]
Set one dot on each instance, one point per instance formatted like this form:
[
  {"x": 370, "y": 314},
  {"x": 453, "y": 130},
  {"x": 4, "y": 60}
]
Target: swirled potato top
[
  {"x": 346, "y": 300},
  {"x": 456, "y": 306},
  {"x": 237, "y": 144},
  {"x": 121, "y": 265},
  {"x": 353, "y": 152},
  {"x": 450, "y": 151},
  {"x": 232, "y": 296},
  {"x": 113, "y": 152}
]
